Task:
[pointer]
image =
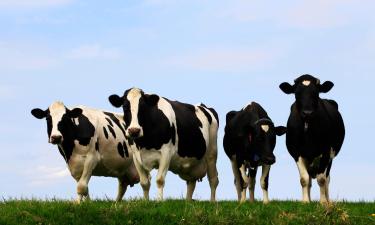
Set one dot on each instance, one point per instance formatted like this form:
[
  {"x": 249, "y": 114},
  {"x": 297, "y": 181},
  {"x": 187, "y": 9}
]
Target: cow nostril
[
  {"x": 307, "y": 112},
  {"x": 56, "y": 139},
  {"x": 134, "y": 132}
]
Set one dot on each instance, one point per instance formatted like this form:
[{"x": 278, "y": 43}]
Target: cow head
[
  {"x": 306, "y": 89},
  {"x": 135, "y": 104},
  {"x": 262, "y": 138},
  {"x": 58, "y": 118}
]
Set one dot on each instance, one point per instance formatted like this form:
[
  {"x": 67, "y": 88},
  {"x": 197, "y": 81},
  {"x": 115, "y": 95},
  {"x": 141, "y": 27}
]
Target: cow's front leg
[
  {"x": 252, "y": 181},
  {"x": 190, "y": 189},
  {"x": 162, "y": 172},
  {"x": 305, "y": 179},
  {"x": 245, "y": 184},
  {"x": 82, "y": 186},
  {"x": 144, "y": 178},
  {"x": 264, "y": 182},
  {"x": 122, "y": 186}
]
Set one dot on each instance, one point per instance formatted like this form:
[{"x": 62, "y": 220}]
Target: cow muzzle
[
  {"x": 56, "y": 139},
  {"x": 134, "y": 133}
]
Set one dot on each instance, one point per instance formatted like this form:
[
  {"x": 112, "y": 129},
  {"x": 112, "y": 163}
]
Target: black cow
[
  {"x": 249, "y": 141},
  {"x": 92, "y": 143},
  {"x": 170, "y": 135},
  {"x": 315, "y": 132}
]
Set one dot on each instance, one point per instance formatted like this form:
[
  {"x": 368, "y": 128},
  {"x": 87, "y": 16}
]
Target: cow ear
[
  {"x": 326, "y": 87},
  {"x": 152, "y": 100},
  {"x": 230, "y": 116},
  {"x": 38, "y": 113},
  {"x": 116, "y": 101},
  {"x": 74, "y": 113},
  {"x": 287, "y": 88},
  {"x": 280, "y": 130}
]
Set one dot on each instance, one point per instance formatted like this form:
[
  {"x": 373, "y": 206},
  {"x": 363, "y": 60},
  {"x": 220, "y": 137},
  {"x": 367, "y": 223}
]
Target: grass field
[{"x": 181, "y": 212}]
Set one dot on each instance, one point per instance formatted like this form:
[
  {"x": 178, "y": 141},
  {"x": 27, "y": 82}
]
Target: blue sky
[{"x": 222, "y": 53}]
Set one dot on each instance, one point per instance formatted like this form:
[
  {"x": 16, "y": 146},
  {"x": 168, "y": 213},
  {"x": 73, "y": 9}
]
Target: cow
[
  {"x": 170, "y": 136},
  {"x": 92, "y": 143},
  {"x": 249, "y": 141},
  {"x": 315, "y": 132}
]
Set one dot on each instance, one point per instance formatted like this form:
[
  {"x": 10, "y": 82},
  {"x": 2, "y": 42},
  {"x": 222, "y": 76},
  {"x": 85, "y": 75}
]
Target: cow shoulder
[{"x": 191, "y": 142}]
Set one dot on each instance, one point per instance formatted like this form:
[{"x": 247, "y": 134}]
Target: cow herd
[{"x": 157, "y": 133}]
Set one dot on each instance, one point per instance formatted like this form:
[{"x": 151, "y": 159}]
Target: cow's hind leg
[
  {"x": 212, "y": 171},
  {"x": 190, "y": 189},
  {"x": 122, "y": 186},
  {"x": 237, "y": 177},
  {"x": 305, "y": 179},
  {"x": 252, "y": 181},
  {"x": 264, "y": 182}
]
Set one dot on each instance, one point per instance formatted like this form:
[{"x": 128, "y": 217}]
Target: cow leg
[
  {"x": 252, "y": 181},
  {"x": 190, "y": 189},
  {"x": 264, "y": 182},
  {"x": 305, "y": 179},
  {"x": 82, "y": 186},
  {"x": 327, "y": 187},
  {"x": 245, "y": 184},
  {"x": 162, "y": 172},
  {"x": 212, "y": 170},
  {"x": 322, "y": 181},
  {"x": 237, "y": 177},
  {"x": 144, "y": 178},
  {"x": 122, "y": 186}
]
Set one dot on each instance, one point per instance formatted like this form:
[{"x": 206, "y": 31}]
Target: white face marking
[
  {"x": 57, "y": 110},
  {"x": 306, "y": 82},
  {"x": 133, "y": 97},
  {"x": 265, "y": 128}
]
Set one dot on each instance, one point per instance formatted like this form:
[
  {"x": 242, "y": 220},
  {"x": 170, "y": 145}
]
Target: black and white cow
[
  {"x": 249, "y": 141},
  {"x": 92, "y": 143},
  {"x": 315, "y": 132},
  {"x": 170, "y": 135}
]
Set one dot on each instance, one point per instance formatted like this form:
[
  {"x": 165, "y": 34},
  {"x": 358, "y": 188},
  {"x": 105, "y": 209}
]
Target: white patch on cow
[
  {"x": 306, "y": 126},
  {"x": 306, "y": 82},
  {"x": 265, "y": 173},
  {"x": 57, "y": 110},
  {"x": 332, "y": 154},
  {"x": 133, "y": 97},
  {"x": 265, "y": 128}
]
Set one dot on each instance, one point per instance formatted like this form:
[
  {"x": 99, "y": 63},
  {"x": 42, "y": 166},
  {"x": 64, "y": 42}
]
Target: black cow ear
[
  {"x": 38, "y": 113},
  {"x": 152, "y": 100},
  {"x": 326, "y": 87},
  {"x": 74, "y": 113},
  {"x": 280, "y": 130},
  {"x": 230, "y": 116},
  {"x": 116, "y": 101},
  {"x": 286, "y": 88}
]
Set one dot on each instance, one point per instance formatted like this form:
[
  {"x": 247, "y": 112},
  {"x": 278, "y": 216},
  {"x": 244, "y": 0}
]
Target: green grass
[{"x": 182, "y": 212}]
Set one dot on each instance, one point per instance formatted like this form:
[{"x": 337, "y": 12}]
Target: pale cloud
[
  {"x": 227, "y": 59},
  {"x": 16, "y": 57},
  {"x": 307, "y": 14},
  {"x": 32, "y": 4},
  {"x": 93, "y": 51},
  {"x": 47, "y": 175}
]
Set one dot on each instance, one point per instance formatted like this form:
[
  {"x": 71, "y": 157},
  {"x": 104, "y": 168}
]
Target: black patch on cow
[
  {"x": 105, "y": 132},
  {"x": 125, "y": 149},
  {"x": 120, "y": 149},
  {"x": 209, "y": 118},
  {"x": 253, "y": 172},
  {"x": 116, "y": 121},
  {"x": 112, "y": 131},
  {"x": 266, "y": 181},
  {"x": 191, "y": 142},
  {"x": 109, "y": 121},
  {"x": 173, "y": 134},
  {"x": 83, "y": 132},
  {"x": 97, "y": 145}
]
